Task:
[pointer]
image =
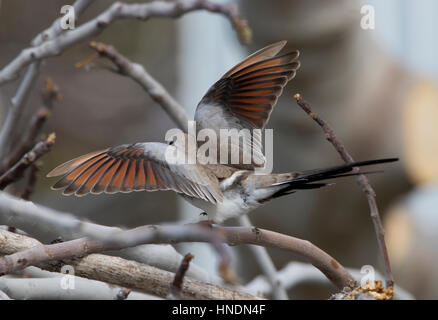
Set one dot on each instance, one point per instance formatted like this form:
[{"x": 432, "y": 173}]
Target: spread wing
[
  {"x": 250, "y": 90},
  {"x": 140, "y": 166},
  {"x": 245, "y": 96}
]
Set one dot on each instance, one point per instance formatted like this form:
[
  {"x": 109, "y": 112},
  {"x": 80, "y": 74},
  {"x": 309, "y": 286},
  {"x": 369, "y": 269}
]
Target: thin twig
[
  {"x": 363, "y": 182},
  {"x": 139, "y": 74},
  {"x": 28, "y": 190},
  {"x": 49, "y": 94},
  {"x": 27, "y": 143},
  {"x": 115, "y": 239},
  {"x": 51, "y": 288},
  {"x": 304, "y": 249},
  {"x": 16, "y": 172},
  {"x": 8, "y": 131},
  {"x": 42, "y": 254},
  {"x": 176, "y": 287}
]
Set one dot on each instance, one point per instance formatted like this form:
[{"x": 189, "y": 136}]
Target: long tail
[{"x": 310, "y": 179}]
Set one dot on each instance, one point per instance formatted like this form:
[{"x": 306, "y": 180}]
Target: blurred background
[{"x": 376, "y": 87}]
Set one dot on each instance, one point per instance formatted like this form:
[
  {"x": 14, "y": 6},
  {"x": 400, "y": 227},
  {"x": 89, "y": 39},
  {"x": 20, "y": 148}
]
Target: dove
[{"x": 242, "y": 99}]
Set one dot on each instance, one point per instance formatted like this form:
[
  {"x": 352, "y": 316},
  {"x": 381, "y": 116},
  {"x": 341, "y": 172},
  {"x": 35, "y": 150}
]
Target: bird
[{"x": 243, "y": 98}]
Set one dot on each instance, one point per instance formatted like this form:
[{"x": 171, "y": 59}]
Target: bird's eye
[{"x": 171, "y": 143}]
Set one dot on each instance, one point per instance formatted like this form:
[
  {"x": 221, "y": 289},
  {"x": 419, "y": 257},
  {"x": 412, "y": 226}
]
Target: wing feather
[
  {"x": 140, "y": 166},
  {"x": 266, "y": 52},
  {"x": 246, "y": 95}
]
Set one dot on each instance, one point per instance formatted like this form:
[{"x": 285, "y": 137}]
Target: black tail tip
[
  {"x": 371, "y": 162},
  {"x": 390, "y": 159}
]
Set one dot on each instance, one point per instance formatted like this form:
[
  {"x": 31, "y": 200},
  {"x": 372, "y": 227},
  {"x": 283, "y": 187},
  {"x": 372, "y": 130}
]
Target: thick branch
[
  {"x": 47, "y": 224},
  {"x": 26, "y": 144},
  {"x": 119, "y": 11},
  {"x": 363, "y": 182},
  {"x": 128, "y": 274},
  {"x": 114, "y": 238},
  {"x": 51, "y": 289}
]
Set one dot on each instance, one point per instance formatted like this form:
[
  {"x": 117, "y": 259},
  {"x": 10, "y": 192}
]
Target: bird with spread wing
[{"x": 242, "y": 99}]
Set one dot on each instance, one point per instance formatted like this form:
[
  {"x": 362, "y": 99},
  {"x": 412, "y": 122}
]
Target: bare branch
[
  {"x": 363, "y": 182},
  {"x": 120, "y": 239},
  {"x": 171, "y": 233},
  {"x": 114, "y": 238},
  {"x": 118, "y": 11},
  {"x": 128, "y": 274},
  {"x": 266, "y": 264},
  {"x": 138, "y": 73},
  {"x": 54, "y": 285},
  {"x": 51, "y": 288},
  {"x": 49, "y": 95},
  {"x": 28, "y": 190},
  {"x": 16, "y": 172},
  {"x": 175, "y": 289},
  {"x": 304, "y": 249},
  {"x": 47, "y": 224},
  {"x": 291, "y": 275},
  {"x": 35, "y": 272}
]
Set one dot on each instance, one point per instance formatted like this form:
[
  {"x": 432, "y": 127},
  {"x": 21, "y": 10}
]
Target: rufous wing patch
[
  {"x": 128, "y": 168},
  {"x": 251, "y": 90}
]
